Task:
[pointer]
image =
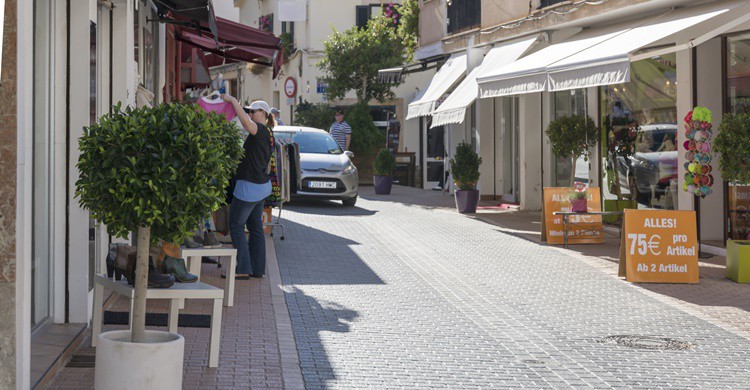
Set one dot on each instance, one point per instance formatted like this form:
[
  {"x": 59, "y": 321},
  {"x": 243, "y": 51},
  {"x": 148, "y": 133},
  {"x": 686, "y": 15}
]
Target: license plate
[{"x": 322, "y": 184}]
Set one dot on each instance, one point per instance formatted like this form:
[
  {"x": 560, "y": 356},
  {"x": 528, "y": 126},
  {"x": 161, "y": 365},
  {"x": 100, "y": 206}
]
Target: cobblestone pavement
[{"x": 403, "y": 292}]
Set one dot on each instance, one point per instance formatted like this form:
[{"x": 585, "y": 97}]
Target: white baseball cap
[{"x": 259, "y": 105}]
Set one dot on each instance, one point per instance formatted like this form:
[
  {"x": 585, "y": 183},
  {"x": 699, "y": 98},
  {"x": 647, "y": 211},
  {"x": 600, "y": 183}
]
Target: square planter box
[{"x": 738, "y": 260}]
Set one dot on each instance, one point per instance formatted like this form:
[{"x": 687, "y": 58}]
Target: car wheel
[{"x": 350, "y": 202}]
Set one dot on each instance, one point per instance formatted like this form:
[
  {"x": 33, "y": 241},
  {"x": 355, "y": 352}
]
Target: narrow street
[{"x": 401, "y": 291}]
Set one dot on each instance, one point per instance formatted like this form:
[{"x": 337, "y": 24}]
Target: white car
[{"x": 327, "y": 170}]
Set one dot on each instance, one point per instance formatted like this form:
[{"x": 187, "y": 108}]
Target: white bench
[
  {"x": 193, "y": 256},
  {"x": 176, "y": 294}
]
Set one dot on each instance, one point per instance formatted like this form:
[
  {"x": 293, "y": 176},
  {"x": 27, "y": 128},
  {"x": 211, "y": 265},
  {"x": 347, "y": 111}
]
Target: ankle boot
[
  {"x": 155, "y": 278},
  {"x": 176, "y": 267},
  {"x": 121, "y": 260}
]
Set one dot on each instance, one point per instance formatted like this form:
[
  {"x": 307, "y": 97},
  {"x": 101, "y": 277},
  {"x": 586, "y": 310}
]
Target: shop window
[
  {"x": 738, "y": 100},
  {"x": 287, "y": 36},
  {"x": 463, "y": 14},
  {"x": 567, "y": 103},
  {"x": 639, "y": 131}
]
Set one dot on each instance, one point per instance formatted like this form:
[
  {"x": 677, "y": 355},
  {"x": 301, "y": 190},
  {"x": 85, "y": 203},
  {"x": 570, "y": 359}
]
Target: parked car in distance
[
  {"x": 327, "y": 170},
  {"x": 654, "y": 163}
]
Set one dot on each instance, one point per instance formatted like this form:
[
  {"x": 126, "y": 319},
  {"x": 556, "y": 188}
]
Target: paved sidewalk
[
  {"x": 403, "y": 292},
  {"x": 251, "y": 355}
]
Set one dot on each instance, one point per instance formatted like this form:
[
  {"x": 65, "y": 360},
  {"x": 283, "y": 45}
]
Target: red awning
[{"x": 235, "y": 41}]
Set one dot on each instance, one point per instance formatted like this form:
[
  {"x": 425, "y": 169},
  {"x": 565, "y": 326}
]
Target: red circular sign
[{"x": 290, "y": 87}]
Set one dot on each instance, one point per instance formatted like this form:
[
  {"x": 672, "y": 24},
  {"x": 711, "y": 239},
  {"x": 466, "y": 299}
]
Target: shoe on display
[
  {"x": 224, "y": 238},
  {"x": 198, "y": 237},
  {"x": 210, "y": 241},
  {"x": 176, "y": 267},
  {"x": 191, "y": 243},
  {"x": 155, "y": 278},
  {"x": 121, "y": 260}
]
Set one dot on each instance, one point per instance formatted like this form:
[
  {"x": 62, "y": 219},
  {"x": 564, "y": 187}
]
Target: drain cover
[{"x": 647, "y": 342}]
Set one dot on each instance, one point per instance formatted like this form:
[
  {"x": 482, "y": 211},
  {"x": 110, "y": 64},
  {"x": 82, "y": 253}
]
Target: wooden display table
[
  {"x": 193, "y": 256},
  {"x": 177, "y": 293}
]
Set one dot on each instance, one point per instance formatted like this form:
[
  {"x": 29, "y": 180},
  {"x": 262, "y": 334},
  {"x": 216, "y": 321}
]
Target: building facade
[
  {"x": 307, "y": 24},
  {"x": 675, "y": 55}
]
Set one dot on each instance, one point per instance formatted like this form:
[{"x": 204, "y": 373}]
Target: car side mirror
[{"x": 349, "y": 154}]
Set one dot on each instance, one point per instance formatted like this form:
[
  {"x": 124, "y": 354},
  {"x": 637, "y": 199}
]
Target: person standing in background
[
  {"x": 341, "y": 131},
  {"x": 277, "y": 114}
]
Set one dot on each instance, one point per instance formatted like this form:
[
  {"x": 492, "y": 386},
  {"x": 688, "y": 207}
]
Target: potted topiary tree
[
  {"x": 159, "y": 171},
  {"x": 465, "y": 172},
  {"x": 732, "y": 144},
  {"x": 571, "y": 137},
  {"x": 383, "y": 172}
]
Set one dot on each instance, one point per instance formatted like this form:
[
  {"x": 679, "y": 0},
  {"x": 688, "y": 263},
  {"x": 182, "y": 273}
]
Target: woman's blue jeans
[{"x": 251, "y": 254}]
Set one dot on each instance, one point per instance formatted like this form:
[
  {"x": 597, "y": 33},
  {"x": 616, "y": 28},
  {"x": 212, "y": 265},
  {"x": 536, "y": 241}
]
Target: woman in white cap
[{"x": 252, "y": 187}]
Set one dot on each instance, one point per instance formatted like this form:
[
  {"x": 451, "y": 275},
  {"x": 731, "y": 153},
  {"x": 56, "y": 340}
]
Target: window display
[
  {"x": 738, "y": 100},
  {"x": 567, "y": 103},
  {"x": 639, "y": 133}
]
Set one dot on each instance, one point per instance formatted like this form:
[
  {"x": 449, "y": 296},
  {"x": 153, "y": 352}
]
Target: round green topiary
[
  {"x": 733, "y": 146},
  {"x": 465, "y": 167},
  {"x": 385, "y": 163},
  {"x": 164, "y": 167}
]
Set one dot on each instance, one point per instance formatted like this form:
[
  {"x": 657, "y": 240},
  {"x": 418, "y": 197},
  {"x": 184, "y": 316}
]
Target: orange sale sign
[
  {"x": 659, "y": 246},
  {"x": 582, "y": 229}
]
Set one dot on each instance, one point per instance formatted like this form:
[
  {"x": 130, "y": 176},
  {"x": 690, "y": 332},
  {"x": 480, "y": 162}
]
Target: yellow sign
[
  {"x": 659, "y": 246},
  {"x": 582, "y": 229}
]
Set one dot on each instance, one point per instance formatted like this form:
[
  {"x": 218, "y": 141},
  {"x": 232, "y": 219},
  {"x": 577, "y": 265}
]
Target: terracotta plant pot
[
  {"x": 383, "y": 184},
  {"x": 578, "y": 205},
  {"x": 466, "y": 201}
]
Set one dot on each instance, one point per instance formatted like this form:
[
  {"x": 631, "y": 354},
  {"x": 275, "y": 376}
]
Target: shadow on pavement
[
  {"x": 325, "y": 207},
  {"x": 310, "y": 319},
  {"x": 411, "y": 196},
  {"x": 313, "y": 257}
]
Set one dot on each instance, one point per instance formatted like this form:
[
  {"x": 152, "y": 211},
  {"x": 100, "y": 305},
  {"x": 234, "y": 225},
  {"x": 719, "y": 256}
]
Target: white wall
[
  {"x": 225, "y": 9},
  {"x": 708, "y": 67},
  {"x": 530, "y": 139}
]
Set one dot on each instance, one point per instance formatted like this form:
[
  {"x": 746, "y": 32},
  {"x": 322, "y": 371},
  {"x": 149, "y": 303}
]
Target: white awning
[
  {"x": 609, "y": 62},
  {"x": 453, "y": 109},
  {"x": 451, "y": 72},
  {"x": 529, "y": 74}
]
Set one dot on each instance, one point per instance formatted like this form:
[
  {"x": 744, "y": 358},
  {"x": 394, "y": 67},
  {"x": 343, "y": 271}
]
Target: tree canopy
[{"x": 353, "y": 58}]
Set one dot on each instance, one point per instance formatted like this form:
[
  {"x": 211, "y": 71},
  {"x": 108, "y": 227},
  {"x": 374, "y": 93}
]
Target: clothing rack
[{"x": 285, "y": 165}]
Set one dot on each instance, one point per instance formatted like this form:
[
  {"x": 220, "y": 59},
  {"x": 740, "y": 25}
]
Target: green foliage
[
  {"x": 353, "y": 58},
  {"x": 572, "y": 136},
  {"x": 465, "y": 167},
  {"x": 408, "y": 27},
  {"x": 319, "y": 116},
  {"x": 164, "y": 167},
  {"x": 287, "y": 44},
  {"x": 733, "y": 146},
  {"x": 385, "y": 163},
  {"x": 364, "y": 133}
]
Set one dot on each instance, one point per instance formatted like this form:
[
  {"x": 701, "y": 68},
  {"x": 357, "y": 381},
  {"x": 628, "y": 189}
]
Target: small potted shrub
[
  {"x": 571, "y": 137},
  {"x": 578, "y": 198},
  {"x": 383, "y": 172},
  {"x": 465, "y": 172},
  {"x": 158, "y": 171},
  {"x": 733, "y": 147}
]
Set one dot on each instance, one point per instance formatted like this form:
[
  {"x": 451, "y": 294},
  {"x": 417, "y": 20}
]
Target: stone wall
[{"x": 8, "y": 169}]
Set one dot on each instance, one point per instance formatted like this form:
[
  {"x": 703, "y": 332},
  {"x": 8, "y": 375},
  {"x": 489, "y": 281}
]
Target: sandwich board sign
[
  {"x": 582, "y": 229},
  {"x": 659, "y": 246}
]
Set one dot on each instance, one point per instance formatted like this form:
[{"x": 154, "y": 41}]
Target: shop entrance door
[{"x": 507, "y": 149}]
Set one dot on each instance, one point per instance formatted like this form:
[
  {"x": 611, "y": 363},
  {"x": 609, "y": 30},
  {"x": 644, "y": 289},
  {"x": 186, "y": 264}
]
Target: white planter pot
[{"x": 155, "y": 364}]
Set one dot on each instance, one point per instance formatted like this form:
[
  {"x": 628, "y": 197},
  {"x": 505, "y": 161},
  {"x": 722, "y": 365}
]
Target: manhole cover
[{"x": 647, "y": 342}]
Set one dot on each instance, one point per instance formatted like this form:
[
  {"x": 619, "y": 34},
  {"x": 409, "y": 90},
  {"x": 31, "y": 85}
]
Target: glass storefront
[
  {"x": 567, "y": 103},
  {"x": 738, "y": 99},
  {"x": 639, "y": 132}
]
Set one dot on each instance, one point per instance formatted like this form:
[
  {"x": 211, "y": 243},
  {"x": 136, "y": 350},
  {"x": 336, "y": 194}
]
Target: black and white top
[{"x": 339, "y": 131}]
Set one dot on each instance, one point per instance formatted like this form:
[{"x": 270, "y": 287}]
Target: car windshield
[{"x": 311, "y": 142}]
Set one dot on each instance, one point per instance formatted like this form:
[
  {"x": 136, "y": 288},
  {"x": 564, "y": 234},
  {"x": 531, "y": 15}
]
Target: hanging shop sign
[
  {"x": 582, "y": 229},
  {"x": 659, "y": 246}
]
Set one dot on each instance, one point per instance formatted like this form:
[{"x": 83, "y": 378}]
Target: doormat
[{"x": 159, "y": 319}]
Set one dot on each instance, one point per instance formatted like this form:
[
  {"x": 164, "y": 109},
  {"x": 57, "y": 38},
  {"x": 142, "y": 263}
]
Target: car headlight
[{"x": 350, "y": 169}]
